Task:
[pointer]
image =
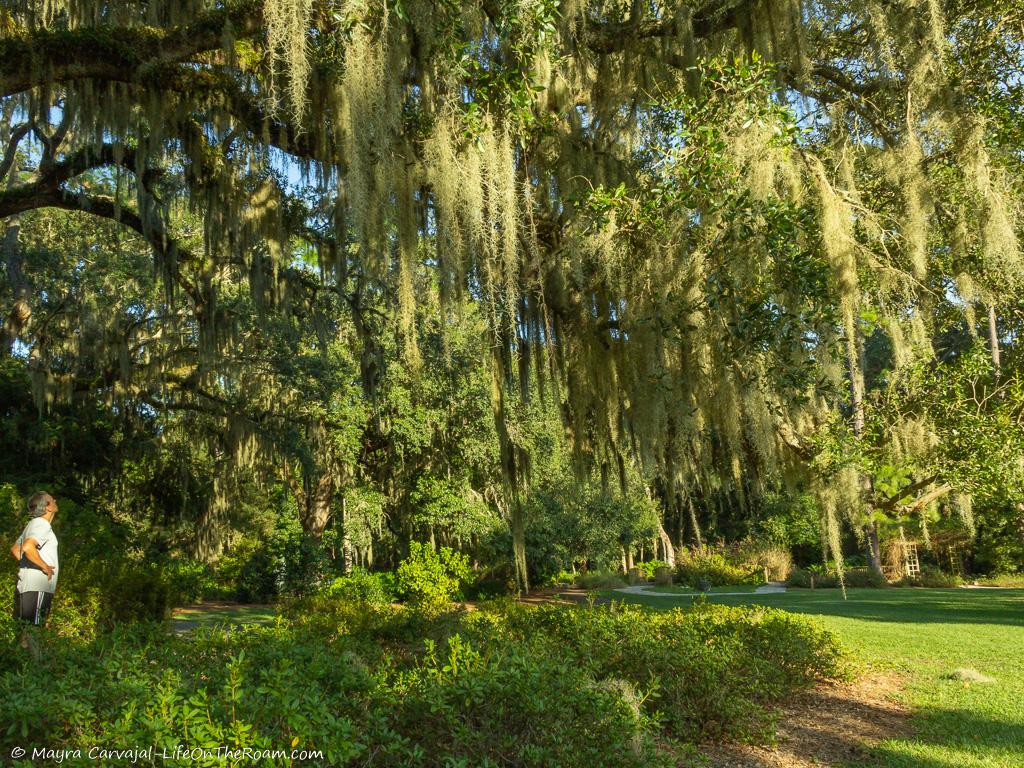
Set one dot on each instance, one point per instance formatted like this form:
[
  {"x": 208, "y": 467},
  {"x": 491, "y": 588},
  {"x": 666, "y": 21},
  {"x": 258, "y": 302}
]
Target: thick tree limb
[
  {"x": 891, "y": 502},
  {"x": 39, "y": 194},
  {"x": 118, "y": 54},
  {"x": 17, "y": 134}
]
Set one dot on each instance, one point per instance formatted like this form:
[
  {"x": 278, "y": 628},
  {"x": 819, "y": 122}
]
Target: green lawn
[
  {"x": 927, "y": 634},
  {"x": 194, "y": 616}
]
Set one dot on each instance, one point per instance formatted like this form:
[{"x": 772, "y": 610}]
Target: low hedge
[
  {"x": 380, "y": 684},
  {"x": 713, "y": 569}
]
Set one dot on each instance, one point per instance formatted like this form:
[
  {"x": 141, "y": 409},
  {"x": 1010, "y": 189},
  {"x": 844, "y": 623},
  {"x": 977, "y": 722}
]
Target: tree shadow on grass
[{"x": 952, "y": 737}]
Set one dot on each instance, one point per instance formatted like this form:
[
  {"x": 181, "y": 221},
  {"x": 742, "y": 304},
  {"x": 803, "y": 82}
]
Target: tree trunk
[
  {"x": 855, "y": 360},
  {"x": 20, "y": 312},
  {"x": 512, "y": 466},
  {"x": 314, "y": 503},
  {"x": 519, "y": 545},
  {"x": 666, "y": 545},
  {"x": 346, "y": 540},
  {"x": 993, "y": 340},
  {"x": 874, "y": 551},
  {"x": 693, "y": 522},
  {"x": 319, "y": 512}
]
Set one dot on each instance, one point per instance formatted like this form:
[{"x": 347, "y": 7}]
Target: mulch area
[{"x": 829, "y": 725}]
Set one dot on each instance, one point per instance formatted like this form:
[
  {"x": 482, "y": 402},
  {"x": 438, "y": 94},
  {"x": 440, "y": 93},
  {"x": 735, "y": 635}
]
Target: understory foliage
[
  {"x": 474, "y": 273},
  {"x": 389, "y": 686}
]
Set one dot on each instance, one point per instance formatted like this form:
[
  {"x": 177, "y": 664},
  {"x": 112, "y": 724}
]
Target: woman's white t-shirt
[{"x": 30, "y": 577}]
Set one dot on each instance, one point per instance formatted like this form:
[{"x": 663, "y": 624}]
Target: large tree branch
[
  {"x": 40, "y": 193},
  {"x": 104, "y": 207},
  {"x": 51, "y": 56},
  {"x": 890, "y": 502},
  {"x": 706, "y": 21},
  {"x": 17, "y": 134}
]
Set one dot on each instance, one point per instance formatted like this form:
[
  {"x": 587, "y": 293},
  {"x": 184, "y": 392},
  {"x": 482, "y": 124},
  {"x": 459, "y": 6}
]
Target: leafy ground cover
[
  {"x": 931, "y": 638},
  {"x": 380, "y": 684}
]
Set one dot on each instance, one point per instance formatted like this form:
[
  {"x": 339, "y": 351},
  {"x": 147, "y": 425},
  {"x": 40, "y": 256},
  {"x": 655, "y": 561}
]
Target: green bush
[
  {"x": 189, "y": 581},
  {"x": 648, "y": 568},
  {"x": 756, "y": 556},
  {"x": 364, "y": 586},
  {"x": 560, "y": 579},
  {"x": 824, "y": 579},
  {"x": 138, "y": 593},
  {"x": 1012, "y": 580},
  {"x": 260, "y": 576},
  {"x": 489, "y": 586},
  {"x": 863, "y": 577},
  {"x": 802, "y": 578},
  {"x": 431, "y": 579},
  {"x": 715, "y": 666},
  {"x": 392, "y": 685},
  {"x": 600, "y": 580},
  {"x": 515, "y": 708},
  {"x": 932, "y": 577},
  {"x": 712, "y": 567}
]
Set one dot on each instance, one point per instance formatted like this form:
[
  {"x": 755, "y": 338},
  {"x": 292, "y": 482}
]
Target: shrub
[
  {"x": 802, "y": 578},
  {"x": 716, "y": 666},
  {"x": 362, "y": 586},
  {"x": 390, "y": 685},
  {"x": 825, "y": 579},
  {"x": 600, "y": 580},
  {"x": 1013, "y": 580},
  {"x": 863, "y": 577},
  {"x": 933, "y": 577},
  {"x": 189, "y": 581},
  {"x": 712, "y": 567},
  {"x": 561, "y": 579},
  {"x": 260, "y": 577},
  {"x": 789, "y": 521},
  {"x": 650, "y": 567},
  {"x": 431, "y": 579},
  {"x": 491, "y": 586},
  {"x": 756, "y": 556},
  {"x": 515, "y": 708},
  {"x": 138, "y": 593}
]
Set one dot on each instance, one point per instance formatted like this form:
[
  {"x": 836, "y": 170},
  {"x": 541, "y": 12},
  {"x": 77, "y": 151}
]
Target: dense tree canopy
[{"x": 452, "y": 253}]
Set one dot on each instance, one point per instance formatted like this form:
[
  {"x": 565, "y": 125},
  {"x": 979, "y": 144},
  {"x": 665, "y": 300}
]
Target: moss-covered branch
[{"x": 32, "y": 58}]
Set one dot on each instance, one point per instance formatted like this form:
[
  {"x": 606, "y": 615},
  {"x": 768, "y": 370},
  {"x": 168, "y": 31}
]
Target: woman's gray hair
[{"x": 37, "y": 503}]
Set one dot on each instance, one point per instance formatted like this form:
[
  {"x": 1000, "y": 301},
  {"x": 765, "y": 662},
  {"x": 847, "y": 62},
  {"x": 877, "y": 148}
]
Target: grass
[
  {"x": 207, "y": 615},
  {"x": 926, "y": 635}
]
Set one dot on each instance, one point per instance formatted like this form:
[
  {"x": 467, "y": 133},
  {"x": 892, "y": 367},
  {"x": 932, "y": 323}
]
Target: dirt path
[
  {"x": 826, "y": 727},
  {"x": 772, "y": 588},
  {"x": 568, "y": 595}
]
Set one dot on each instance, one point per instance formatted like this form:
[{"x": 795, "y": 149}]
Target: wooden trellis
[{"x": 913, "y": 565}]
